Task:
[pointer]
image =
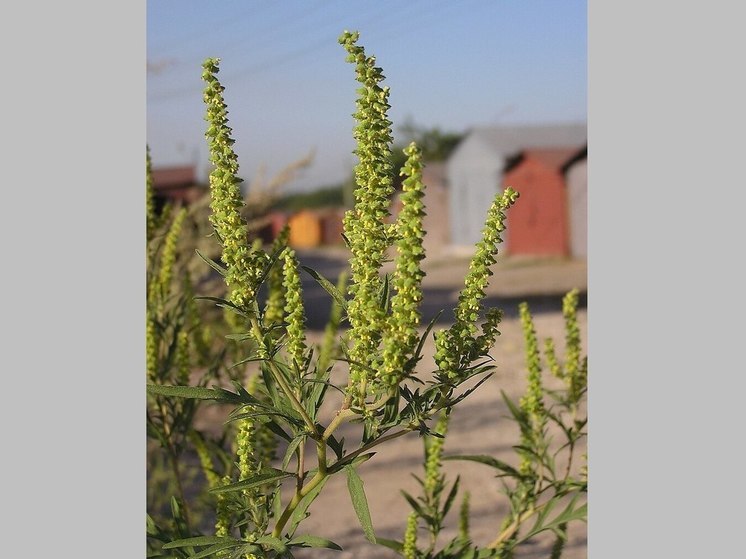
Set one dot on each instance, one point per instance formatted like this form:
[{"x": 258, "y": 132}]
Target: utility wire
[{"x": 401, "y": 22}]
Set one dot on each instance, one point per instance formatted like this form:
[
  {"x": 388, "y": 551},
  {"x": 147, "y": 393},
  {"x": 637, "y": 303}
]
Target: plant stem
[
  {"x": 280, "y": 378},
  {"x": 342, "y": 415},
  {"x": 318, "y": 478},
  {"x": 174, "y": 459},
  {"x": 361, "y": 450},
  {"x": 511, "y": 529}
]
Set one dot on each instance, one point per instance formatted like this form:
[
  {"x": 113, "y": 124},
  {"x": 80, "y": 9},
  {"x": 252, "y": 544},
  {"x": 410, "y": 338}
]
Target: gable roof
[
  {"x": 514, "y": 139},
  {"x": 174, "y": 177},
  {"x": 553, "y": 158},
  {"x": 579, "y": 156}
]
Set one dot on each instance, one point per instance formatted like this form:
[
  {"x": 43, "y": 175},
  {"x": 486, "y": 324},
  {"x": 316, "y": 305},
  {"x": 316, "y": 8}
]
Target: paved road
[{"x": 540, "y": 282}]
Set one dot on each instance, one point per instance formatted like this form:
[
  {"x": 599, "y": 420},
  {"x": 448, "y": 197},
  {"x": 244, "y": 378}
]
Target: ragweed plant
[
  {"x": 546, "y": 477},
  {"x": 261, "y": 504}
]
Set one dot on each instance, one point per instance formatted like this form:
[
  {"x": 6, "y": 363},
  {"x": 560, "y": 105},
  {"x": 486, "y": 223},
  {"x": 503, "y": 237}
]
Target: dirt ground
[{"x": 479, "y": 425}]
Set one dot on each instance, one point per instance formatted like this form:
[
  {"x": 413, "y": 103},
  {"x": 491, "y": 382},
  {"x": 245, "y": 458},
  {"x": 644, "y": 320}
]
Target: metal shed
[{"x": 475, "y": 170}]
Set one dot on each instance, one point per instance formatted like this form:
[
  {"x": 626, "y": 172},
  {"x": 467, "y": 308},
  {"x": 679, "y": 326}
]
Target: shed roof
[
  {"x": 174, "y": 177},
  {"x": 554, "y": 158},
  {"x": 579, "y": 156},
  {"x": 514, "y": 139}
]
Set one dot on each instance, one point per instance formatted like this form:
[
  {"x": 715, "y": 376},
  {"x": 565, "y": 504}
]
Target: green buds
[
  {"x": 243, "y": 262},
  {"x": 365, "y": 226},
  {"x": 295, "y": 315},
  {"x": 459, "y": 345},
  {"x": 409, "y": 548},
  {"x": 532, "y": 402},
  {"x": 401, "y": 334}
]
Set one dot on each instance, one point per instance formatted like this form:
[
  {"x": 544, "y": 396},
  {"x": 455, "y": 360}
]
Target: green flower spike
[
  {"x": 574, "y": 372},
  {"x": 222, "y": 511},
  {"x": 576, "y": 369},
  {"x": 274, "y": 309},
  {"x": 433, "y": 452},
  {"x": 295, "y": 314},
  {"x": 364, "y": 225},
  {"x": 459, "y": 346},
  {"x": 151, "y": 348},
  {"x": 401, "y": 334},
  {"x": 243, "y": 262},
  {"x": 182, "y": 357},
  {"x": 409, "y": 548},
  {"x": 532, "y": 402},
  {"x": 150, "y": 219},
  {"x": 205, "y": 460},
  {"x": 463, "y": 518},
  {"x": 169, "y": 253}
]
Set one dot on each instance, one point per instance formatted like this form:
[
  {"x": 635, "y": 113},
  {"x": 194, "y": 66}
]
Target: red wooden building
[
  {"x": 537, "y": 224},
  {"x": 176, "y": 184}
]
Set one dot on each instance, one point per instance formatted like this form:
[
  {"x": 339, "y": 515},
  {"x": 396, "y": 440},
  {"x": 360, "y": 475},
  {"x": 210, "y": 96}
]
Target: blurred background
[
  {"x": 495, "y": 95},
  {"x": 492, "y": 91}
]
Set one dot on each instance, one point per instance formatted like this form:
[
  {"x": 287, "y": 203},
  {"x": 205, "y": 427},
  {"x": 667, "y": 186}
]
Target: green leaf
[
  {"x": 276, "y": 502},
  {"x": 200, "y": 541},
  {"x": 336, "y": 445},
  {"x": 328, "y": 286},
  {"x": 195, "y": 392},
  {"x": 347, "y": 461},
  {"x": 313, "y": 541},
  {"x": 214, "y": 265},
  {"x": 265, "y": 477},
  {"x": 151, "y": 527},
  {"x": 430, "y": 326},
  {"x": 569, "y": 514},
  {"x": 451, "y": 496},
  {"x": 359, "y": 502},
  {"x": 277, "y": 430},
  {"x": 391, "y": 544},
  {"x": 291, "y": 449},
  {"x": 413, "y": 503},
  {"x": 517, "y": 412},
  {"x": 299, "y": 514},
  {"x": 271, "y": 542},
  {"x": 489, "y": 461},
  {"x": 223, "y": 303},
  {"x": 215, "y": 548},
  {"x": 463, "y": 395}
]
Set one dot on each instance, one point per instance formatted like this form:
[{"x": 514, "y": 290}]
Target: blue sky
[{"x": 289, "y": 91}]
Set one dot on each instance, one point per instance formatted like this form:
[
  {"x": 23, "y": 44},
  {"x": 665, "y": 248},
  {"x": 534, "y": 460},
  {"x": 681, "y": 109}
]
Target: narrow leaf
[
  {"x": 199, "y": 541},
  {"x": 271, "y": 542},
  {"x": 263, "y": 478},
  {"x": 359, "y": 502},
  {"x": 214, "y": 265},
  {"x": 195, "y": 392},
  {"x": 299, "y": 514},
  {"x": 328, "y": 286},
  {"x": 291, "y": 449},
  {"x": 313, "y": 541},
  {"x": 391, "y": 544},
  {"x": 451, "y": 496},
  {"x": 214, "y": 549},
  {"x": 489, "y": 461}
]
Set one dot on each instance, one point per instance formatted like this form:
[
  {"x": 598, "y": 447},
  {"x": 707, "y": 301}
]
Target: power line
[
  {"x": 205, "y": 30},
  {"x": 401, "y": 21}
]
